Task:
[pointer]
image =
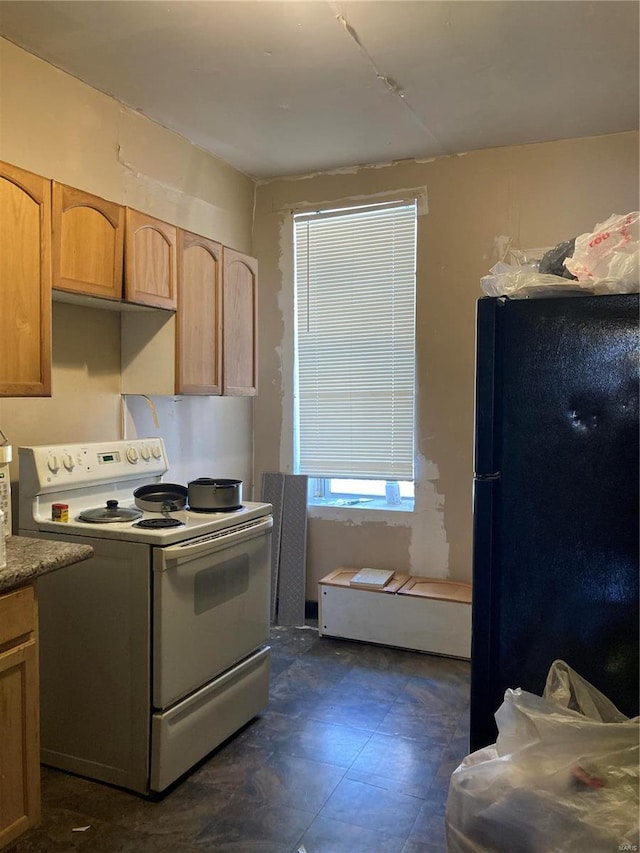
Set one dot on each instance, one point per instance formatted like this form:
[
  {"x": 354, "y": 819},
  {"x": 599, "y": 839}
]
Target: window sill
[{"x": 406, "y": 505}]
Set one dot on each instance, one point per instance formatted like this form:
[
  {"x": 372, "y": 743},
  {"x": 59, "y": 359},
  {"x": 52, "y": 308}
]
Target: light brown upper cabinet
[
  {"x": 199, "y": 316},
  {"x": 150, "y": 260},
  {"x": 240, "y": 311},
  {"x": 88, "y": 241},
  {"x": 209, "y": 346},
  {"x": 25, "y": 283}
]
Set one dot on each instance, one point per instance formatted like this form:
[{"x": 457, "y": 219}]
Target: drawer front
[
  {"x": 187, "y": 732},
  {"x": 17, "y": 616}
]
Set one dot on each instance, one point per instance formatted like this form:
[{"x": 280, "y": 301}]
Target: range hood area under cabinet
[{"x": 81, "y": 245}]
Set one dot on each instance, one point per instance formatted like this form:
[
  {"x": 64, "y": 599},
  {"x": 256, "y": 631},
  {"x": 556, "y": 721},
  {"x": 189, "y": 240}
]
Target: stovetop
[
  {"x": 193, "y": 524},
  {"x": 86, "y": 476}
]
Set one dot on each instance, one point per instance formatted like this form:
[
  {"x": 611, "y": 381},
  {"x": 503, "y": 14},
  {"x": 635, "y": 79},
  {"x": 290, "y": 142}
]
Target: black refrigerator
[{"x": 556, "y": 540}]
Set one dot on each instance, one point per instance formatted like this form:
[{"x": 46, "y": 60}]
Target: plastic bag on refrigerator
[
  {"x": 562, "y": 776},
  {"x": 523, "y": 281},
  {"x": 528, "y": 274},
  {"x": 608, "y": 257}
]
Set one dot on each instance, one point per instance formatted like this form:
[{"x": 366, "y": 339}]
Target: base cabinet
[{"x": 19, "y": 726}]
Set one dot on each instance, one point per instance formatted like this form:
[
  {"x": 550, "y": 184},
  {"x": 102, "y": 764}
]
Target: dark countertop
[{"x": 29, "y": 558}]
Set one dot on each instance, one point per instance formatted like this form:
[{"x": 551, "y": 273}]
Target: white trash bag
[
  {"x": 517, "y": 274},
  {"x": 523, "y": 281},
  {"x": 607, "y": 257},
  {"x": 605, "y": 260},
  {"x": 562, "y": 776}
]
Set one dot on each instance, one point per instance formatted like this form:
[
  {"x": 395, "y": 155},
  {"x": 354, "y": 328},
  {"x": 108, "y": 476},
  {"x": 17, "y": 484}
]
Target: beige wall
[
  {"x": 538, "y": 195},
  {"x": 56, "y": 126}
]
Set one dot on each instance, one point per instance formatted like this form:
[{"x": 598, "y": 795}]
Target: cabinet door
[
  {"x": 19, "y": 726},
  {"x": 150, "y": 260},
  {"x": 25, "y": 283},
  {"x": 199, "y": 326},
  {"x": 88, "y": 240},
  {"x": 240, "y": 328}
]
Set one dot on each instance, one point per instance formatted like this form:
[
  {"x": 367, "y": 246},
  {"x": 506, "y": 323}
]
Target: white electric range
[{"x": 154, "y": 651}]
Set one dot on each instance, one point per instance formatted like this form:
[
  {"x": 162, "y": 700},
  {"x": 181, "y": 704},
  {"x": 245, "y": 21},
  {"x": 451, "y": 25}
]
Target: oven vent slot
[{"x": 211, "y": 537}]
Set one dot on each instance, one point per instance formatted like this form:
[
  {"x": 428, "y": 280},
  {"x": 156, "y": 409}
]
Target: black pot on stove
[
  {"x": 160, "y": 497},
  {"x": 209, "y": 494}
]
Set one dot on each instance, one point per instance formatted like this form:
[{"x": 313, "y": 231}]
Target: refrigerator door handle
[
  {"x": 485, "y": 588},
  {"x": 486, "y": 451}
]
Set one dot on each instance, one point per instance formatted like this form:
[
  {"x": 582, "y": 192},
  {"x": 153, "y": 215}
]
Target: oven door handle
[{"x": 207, "y": 544}]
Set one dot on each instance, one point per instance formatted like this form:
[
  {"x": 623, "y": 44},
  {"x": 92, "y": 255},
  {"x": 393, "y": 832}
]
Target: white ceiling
[{"x": 279, "y": 88}]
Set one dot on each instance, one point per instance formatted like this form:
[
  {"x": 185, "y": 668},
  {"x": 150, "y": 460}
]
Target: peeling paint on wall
[
  {"x": 487, "y": 193},
  {"x": 169, "y": 178},
  {"x": 417, "y": 193},
  {"x": 501, "y": 245},
  {"x": 354, "y": 517},
  {"x": 331, "y": 546},
  {"x": 342, "y": 170},
  {"x": 142, "y": 191},
  {"x": 360, "y": 167},
  {"x": 285, "y": 350},
  {"x": 429, "y": 549}
]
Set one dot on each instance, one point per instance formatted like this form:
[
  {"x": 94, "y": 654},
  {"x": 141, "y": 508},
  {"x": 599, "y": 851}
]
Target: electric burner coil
[{"x": 158, "y": 523}]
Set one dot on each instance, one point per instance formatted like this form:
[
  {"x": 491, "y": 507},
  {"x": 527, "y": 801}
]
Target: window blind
[{"x": 355, "y": 341}]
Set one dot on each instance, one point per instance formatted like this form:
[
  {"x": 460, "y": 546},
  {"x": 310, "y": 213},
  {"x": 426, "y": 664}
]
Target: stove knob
[
  {"x": 67, "y": 461},
  {"x": 144, "y": 452},
  {"x": 132, "y": 455},
  {"x": 53, "y": 464},
  {"x": 156, "y": 451}
]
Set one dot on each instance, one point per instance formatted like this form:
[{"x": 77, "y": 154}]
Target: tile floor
[{"x": 353, "y": 755}]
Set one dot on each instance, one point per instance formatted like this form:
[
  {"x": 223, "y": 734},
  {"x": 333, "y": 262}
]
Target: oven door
[{"x": 211, "y": 599}]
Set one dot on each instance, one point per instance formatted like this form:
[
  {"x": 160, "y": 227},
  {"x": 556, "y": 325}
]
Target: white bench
[{"x": 410, "y": 612}]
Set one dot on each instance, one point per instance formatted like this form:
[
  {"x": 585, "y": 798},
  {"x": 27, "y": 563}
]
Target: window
[{"x": 355, "y": 353}]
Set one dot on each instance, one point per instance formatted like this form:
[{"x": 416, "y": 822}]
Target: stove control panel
[{"x": 69, "y": 465}]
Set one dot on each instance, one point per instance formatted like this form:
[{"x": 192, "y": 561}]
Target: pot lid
[
  {"x": 109, "y": 513},
  {"x": 215, "y": 482}
]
